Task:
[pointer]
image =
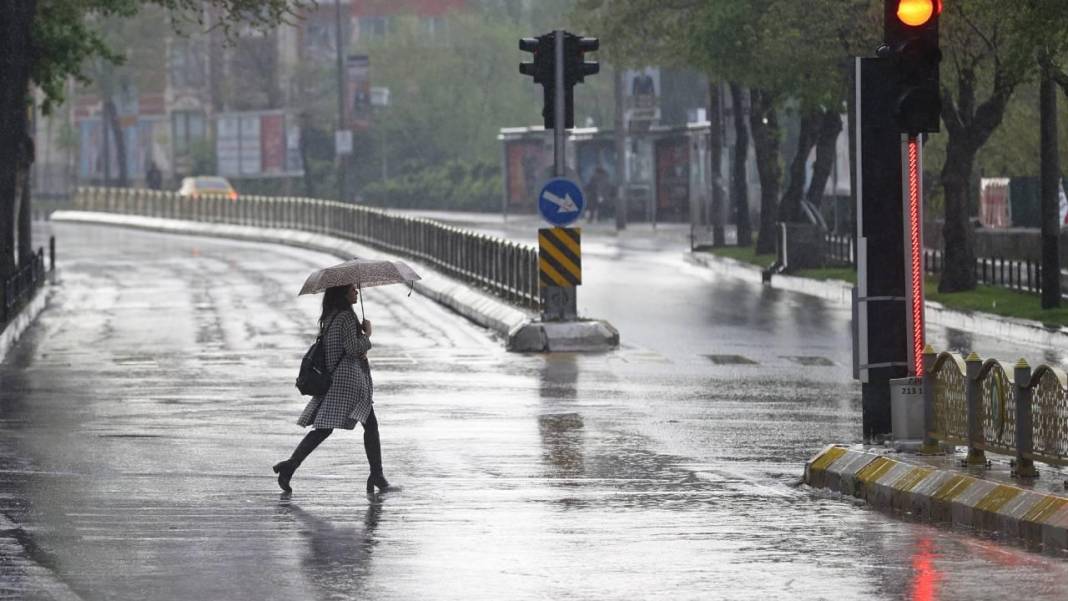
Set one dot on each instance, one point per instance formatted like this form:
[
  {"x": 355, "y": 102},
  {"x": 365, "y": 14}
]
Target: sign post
[{"x": 558, "y": 64}]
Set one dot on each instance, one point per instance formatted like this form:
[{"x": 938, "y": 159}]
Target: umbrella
[{"x": 362, "y": 273}]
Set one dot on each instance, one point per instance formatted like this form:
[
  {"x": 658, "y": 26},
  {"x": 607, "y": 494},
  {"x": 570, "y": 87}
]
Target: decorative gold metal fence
[{"x": 995, "y": 407}]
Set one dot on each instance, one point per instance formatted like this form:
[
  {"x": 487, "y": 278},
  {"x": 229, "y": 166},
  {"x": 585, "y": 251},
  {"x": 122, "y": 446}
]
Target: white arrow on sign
[{"x": 566, "y": 204}]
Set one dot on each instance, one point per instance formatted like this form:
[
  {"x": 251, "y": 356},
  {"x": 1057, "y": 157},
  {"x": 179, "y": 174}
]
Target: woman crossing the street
[{"x": 349, "y": 399}]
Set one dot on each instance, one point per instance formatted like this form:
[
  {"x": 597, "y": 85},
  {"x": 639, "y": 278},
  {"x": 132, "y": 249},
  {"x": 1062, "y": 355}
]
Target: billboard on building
[
  {"x": 139, "y": 136},
  {"x": 257, "y": 144},
  {"x": 641, "y": 97}
]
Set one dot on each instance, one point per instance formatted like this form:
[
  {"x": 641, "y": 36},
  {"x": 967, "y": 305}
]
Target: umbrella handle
[{"x": 363, "y": 313}]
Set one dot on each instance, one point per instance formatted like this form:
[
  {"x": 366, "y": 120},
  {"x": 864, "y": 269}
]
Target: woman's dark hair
[{"x": 334, "y": 300}]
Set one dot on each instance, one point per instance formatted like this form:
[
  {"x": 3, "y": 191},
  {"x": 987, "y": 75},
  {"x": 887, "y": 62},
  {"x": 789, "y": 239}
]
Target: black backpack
[{"x": 314, "y": 379}]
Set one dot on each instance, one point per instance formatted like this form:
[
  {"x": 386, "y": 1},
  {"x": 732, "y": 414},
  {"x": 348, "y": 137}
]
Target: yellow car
[{"x": 200, "y": 186}]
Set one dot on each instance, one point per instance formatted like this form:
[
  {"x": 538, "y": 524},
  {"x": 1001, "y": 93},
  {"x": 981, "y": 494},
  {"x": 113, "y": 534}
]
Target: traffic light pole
[
  {"x": 559, "y": 115},
  {"x": 559, "y": 303}
]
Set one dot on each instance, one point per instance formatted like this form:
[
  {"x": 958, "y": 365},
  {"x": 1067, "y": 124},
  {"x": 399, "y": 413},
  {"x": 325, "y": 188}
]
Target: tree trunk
[
  {"x": 111, "y": 115},
  {"x": 957, "y": 233},
  {"x": 826, "y": 155},
  {"x": 24, "y": 198},
  {"x": 1051, "y": 179},
  {"x": 790, "y": 205},
  {"x": 969, "y": 127},
  {"x": 16, "y": 27},
  {"x": 739, "y": 186},
  {"x": 715, "y": 154},
  {"x": 764, "y": 123}
]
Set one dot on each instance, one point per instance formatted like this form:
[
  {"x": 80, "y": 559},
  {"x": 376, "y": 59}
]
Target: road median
[{"x": 931, "y": 489}]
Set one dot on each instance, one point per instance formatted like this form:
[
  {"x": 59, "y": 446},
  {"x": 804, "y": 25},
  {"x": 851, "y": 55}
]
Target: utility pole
[
  {"x": 621, "y": 153},
  {"x": 340, "y": 101}
]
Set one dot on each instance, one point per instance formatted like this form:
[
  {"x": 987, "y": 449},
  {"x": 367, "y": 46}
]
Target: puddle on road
[{"x": 731, "y": 360}]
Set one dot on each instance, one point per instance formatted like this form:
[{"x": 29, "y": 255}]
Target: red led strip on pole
[{"x": 916, "y": 255}]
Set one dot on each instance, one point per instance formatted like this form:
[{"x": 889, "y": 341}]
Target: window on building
[
  {"x": 187, "y": 128},
  {"x": 187, "y": 63},
  {"x": 372, "y": 27}
]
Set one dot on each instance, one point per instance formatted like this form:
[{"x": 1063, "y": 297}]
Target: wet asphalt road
[{"x": 141, "y": 415}]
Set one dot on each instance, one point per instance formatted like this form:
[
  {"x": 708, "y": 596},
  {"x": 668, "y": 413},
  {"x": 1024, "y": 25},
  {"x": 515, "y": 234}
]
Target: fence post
[
  {"x": 930, "y": 440},
  {"x": 976, "y": 455},
  {"x": 1025, "y": 463},
  {"x": 52, "y": 253}
]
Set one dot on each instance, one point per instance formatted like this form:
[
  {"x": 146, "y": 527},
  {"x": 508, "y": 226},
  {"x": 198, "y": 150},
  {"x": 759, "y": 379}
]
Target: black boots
[
  {"x": 372, "y": 445},
  {"x": 285, "y": 470},
  {"x": 377, "y": 479}
]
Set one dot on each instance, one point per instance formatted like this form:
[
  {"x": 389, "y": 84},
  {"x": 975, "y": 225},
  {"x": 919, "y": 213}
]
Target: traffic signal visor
[{"x": 917, "y": 13}]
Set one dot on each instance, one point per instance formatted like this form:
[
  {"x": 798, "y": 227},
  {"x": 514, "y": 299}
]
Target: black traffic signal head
[
  {"x": 576, "y": 67},
  {"x": 543, "y": 60},
  {"x": 911, "y": 29},
  {"x": 543, "y": 69}
]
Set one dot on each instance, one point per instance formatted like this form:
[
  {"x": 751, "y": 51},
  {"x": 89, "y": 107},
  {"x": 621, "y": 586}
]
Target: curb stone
[
  {"x": 1039, "y": 520},
  {"x": 520, "y": 328},
  {"x": 25, "y": 319}
]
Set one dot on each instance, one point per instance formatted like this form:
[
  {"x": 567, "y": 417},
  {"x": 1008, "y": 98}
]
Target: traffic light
[
  {"x": 576, "y": 67},
  {"x": 912, "y": 41},
  {"x": 543, "y": 70}
]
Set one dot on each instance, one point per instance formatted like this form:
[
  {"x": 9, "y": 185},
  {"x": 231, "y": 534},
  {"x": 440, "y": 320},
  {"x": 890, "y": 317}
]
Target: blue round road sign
[{"x": 561, "y": 202}]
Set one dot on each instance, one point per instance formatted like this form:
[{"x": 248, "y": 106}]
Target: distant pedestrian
[
  {"x": 349, "y": 399},
  {"x": 153, "y": 177}
]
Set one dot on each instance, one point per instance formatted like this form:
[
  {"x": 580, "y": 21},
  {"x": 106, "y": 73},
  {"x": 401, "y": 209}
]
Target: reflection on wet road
[{"x": 141, "y": 415}]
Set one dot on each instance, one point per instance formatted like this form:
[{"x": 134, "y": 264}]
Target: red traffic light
[{"x": 916, "y": 13}]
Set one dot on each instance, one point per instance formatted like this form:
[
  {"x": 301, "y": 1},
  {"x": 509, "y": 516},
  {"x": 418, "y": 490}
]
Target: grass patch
[
  {"x": 829, "y": 273},
  {"x": 999, "y": 301},
  {"x": 745, "y": 254}
]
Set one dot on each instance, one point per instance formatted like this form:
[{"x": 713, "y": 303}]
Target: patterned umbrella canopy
[{"x": 362, "y": 273}]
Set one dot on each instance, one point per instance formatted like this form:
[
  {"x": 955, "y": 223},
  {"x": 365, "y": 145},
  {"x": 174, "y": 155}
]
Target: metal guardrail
[
  {"x": 991, "y": 406},
  {"x": 840, "y": 250},
  {"x": 1024, "y": 275},
  {"x": 505, "y": 268},
  {"x": 20, "y": 287}
]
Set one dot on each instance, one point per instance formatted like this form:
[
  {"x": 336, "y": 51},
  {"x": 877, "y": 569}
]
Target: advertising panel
[
  {"x": 641, "y": 97},
  {"x": 249, "y": 135},
  {"x": 673, "y": 179},
  {"x": 273, "y": 143},
  {"x": 257, "y": 144},
  {"x": 529, "y": 165},
  {"x": 228, "y": 145}
]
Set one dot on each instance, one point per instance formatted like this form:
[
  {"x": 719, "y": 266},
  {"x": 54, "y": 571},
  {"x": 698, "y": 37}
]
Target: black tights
[{"x": 372, "y": 445}]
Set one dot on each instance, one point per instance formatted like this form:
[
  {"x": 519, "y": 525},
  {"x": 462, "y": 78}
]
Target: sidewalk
[{"x": 1017, "y": 330}]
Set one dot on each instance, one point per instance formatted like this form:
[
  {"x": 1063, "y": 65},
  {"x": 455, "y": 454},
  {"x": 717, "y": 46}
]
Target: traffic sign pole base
[
  {"x": 590, "y": 335},
  {"x": 558, "y": 304}
]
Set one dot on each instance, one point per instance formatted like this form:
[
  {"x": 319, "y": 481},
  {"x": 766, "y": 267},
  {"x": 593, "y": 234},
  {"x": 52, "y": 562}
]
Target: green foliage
[
  {"x": 454, "y": 186},
  {"x": 67, "y": 35}
]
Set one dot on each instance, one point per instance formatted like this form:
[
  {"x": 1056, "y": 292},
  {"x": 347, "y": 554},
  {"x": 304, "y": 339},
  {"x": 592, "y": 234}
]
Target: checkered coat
[{"x": 349, "y": 399}]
